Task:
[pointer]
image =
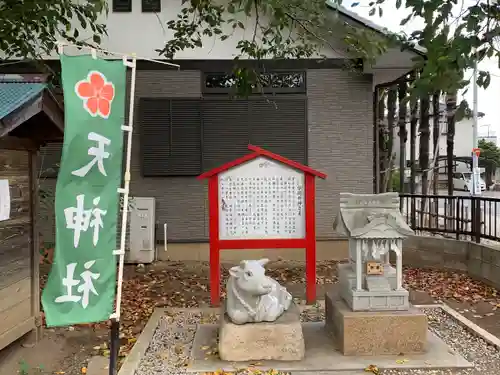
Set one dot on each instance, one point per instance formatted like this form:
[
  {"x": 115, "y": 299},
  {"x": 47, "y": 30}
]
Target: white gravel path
[{"x": 170, "y": 347}]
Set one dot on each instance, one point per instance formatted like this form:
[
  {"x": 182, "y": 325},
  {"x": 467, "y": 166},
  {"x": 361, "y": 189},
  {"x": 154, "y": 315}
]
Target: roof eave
[{"x": 372, "y": 26}]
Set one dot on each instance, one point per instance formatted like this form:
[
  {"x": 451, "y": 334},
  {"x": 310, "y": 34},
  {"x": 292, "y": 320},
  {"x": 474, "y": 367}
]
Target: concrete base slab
[{"x": 322, "y": 355}]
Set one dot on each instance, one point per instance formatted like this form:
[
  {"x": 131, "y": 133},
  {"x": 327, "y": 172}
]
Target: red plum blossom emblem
[{"x": 97, "y": 94}]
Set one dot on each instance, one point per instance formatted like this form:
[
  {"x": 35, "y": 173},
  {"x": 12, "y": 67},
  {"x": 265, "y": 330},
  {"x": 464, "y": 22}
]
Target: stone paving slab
[
  {"x": 98, "y": 365},
  {"x": 321, "y": 355}
]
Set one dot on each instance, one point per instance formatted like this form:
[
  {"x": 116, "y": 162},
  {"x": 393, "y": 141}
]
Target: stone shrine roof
[{"x": 371, "y": 216}]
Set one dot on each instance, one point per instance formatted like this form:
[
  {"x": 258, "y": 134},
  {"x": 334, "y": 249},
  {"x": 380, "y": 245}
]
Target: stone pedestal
[
  {"x": 281, "y": 340},
  {"x": 375, "y": 333}
]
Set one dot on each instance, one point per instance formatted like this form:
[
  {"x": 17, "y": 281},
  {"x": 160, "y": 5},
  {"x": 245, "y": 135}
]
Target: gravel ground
[
  {"x": 170, "y": 347},
  {"x": 169, "y": 350}
]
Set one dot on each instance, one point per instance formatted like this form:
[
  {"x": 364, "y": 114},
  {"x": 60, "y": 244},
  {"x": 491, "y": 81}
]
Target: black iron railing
[{"x": 461, "y": 217}]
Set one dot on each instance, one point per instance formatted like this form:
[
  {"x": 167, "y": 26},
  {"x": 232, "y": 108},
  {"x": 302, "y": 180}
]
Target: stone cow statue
[{"x": 254, "y": 297}]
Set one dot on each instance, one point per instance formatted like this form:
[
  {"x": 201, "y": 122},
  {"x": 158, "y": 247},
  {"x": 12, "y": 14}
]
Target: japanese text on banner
[{"x": 82, "y": 282}]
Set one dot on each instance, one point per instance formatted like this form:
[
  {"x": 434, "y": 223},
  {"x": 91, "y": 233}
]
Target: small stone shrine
[
  {"x": 260, "y": 320},
  {"x": 370, "y": 313}
]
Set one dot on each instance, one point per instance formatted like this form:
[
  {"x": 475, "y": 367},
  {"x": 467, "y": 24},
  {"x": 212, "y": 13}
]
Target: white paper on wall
[{"x": 4, "y": 200}]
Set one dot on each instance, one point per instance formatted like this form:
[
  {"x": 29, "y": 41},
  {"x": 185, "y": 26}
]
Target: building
[
  {"x": 29, "y": 116},
  {"x": 186, "y": 123},
  {"x": 489, "y": 136}
]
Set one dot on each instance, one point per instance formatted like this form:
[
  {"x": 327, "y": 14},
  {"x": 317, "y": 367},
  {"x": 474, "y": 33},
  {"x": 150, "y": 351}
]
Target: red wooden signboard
[{"x": 259, "y": 201}]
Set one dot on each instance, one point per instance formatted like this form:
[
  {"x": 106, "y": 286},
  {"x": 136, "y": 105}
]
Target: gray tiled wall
[{"x": 340, "y": 139}]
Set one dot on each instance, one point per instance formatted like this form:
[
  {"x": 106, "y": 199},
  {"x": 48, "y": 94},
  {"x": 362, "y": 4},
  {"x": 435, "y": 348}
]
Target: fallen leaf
[
  {"x": 373, "y": 369},
  {"x": 401, "y": 361},
  {"x": 84, "y": 370},
  {"x": 186, "y": 285}
]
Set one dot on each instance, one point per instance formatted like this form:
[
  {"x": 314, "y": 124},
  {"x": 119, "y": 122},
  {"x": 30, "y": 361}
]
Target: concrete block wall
[
  {"x": 484, "y": 264},
  {"x": 433, "y": 252},
  {"x": 481, "y": 262}
]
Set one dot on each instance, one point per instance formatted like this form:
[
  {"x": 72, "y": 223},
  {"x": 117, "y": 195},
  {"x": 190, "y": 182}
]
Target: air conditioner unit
[{"x": 141, "y": 243}]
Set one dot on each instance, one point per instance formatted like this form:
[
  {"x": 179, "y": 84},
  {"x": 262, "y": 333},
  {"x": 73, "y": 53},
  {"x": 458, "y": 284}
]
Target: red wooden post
[
  {"x": 310, "y": 209},
  {"x": 307, "y": 242},
  {"x": 213, "y": 220}
]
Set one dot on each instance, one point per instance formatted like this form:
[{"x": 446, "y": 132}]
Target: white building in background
[{"x": 489, "y": 135}]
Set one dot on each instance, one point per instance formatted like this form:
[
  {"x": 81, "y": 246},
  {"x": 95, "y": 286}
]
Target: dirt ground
[{"x": 68, "y": 350}]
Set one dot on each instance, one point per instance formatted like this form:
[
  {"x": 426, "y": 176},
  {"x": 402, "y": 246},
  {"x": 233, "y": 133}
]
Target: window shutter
[
  {"x": 151, "y": 6},
  {"x": 185, "y": 141},
  {"x": 280, "y": 125},
  {"x": 225, "y": 131},
  {"x": 122, "y": 5},
  {"x": 154, "y": 115}
]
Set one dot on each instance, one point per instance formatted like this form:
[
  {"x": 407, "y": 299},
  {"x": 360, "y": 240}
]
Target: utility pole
[{"x": 476, "y": 187}]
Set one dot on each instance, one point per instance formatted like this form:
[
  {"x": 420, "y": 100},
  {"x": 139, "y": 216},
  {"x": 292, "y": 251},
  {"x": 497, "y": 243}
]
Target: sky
[{"x": 487, "y": 99}]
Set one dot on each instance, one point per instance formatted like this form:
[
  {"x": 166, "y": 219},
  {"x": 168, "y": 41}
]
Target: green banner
[{"x": 82, "y": 281}]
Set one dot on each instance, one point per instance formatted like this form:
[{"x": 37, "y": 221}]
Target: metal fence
[{"x": 460, "y": 217}]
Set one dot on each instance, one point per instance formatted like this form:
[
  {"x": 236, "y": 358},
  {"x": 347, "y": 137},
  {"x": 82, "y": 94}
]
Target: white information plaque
[{"x": 261, "y": 199}]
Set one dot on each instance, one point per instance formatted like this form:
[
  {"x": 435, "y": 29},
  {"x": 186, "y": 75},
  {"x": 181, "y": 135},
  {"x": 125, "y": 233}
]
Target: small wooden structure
[
  {"x": 29, "y": 117},
  {"x": 262, "y": 201}
]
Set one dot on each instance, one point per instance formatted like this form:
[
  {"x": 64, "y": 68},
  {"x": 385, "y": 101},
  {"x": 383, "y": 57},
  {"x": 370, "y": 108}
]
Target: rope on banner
[{"x": 61, "y": 45}]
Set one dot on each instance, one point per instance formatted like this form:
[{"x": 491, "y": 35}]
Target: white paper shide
[{"x": 4, "y": 200}]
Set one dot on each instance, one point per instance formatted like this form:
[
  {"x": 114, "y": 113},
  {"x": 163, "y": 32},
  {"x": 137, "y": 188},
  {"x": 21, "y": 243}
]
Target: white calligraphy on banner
[
  {"x": 80, "y": 220},
  {"x": 98, "y": 153},
  {"x": 85, "y": 288}
]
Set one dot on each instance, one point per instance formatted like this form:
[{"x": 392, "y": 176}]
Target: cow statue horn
[
  {"x": 263, "y": 261},
  {"x": 252, "y": 296}
]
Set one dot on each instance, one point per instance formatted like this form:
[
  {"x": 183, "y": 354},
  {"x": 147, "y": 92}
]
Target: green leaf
[
  {"x": 405, "y": 20},
  {"x": 448, "y": 43},
  {"x": 487, "y": 81}
]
